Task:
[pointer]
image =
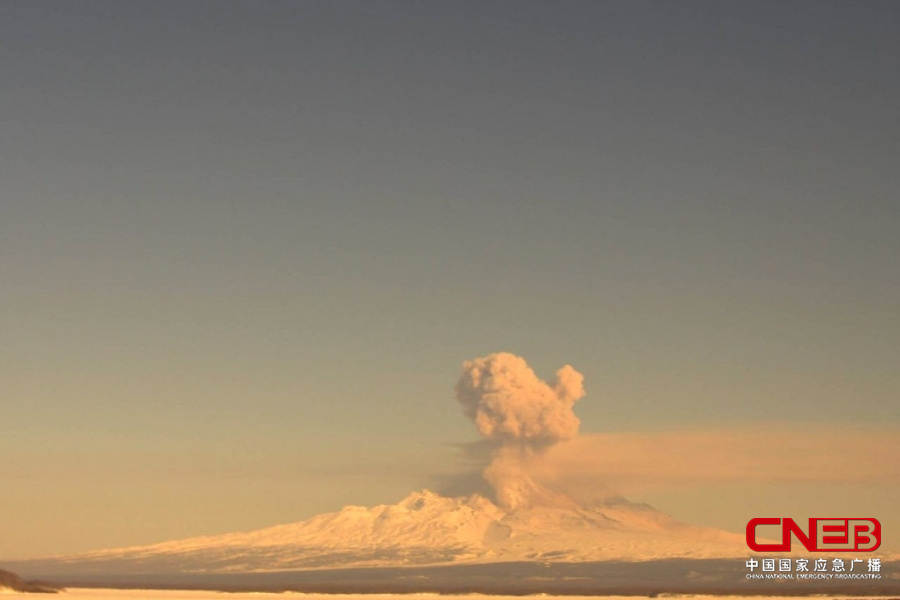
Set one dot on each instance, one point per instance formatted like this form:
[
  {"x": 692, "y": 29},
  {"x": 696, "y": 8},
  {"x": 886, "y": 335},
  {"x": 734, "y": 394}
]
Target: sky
[{"x": 246, "y": 247}]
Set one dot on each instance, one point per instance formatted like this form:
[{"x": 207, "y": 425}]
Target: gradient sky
[{"x": 245, "y": 247}]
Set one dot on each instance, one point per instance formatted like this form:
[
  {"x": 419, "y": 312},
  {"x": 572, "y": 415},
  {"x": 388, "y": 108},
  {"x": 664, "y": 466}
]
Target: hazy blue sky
[{"x": 246, "y": 246}]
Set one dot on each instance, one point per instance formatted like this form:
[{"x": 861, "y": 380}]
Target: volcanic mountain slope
[
  {"x": 427, "y": 529},
  {"x": 10, "y": 582}
]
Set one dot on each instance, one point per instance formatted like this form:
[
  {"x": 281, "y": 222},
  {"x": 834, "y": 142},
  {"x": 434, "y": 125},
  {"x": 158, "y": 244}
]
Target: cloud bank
[{"x": 759, "y": 453}]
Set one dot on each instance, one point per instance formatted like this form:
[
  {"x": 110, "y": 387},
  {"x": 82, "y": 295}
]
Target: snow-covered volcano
[{"x": 428, "y": 529}]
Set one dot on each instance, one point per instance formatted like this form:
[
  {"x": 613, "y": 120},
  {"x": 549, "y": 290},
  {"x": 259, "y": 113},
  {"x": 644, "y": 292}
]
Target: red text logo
[{"x": 821, "y": 535}]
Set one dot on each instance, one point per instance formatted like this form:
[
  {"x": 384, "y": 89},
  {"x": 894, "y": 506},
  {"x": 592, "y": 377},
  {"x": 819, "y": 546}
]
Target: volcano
[{"x": 424, "y": 529}]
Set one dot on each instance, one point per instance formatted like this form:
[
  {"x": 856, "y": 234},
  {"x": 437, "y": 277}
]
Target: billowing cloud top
[{"x": 507, "y": 401}]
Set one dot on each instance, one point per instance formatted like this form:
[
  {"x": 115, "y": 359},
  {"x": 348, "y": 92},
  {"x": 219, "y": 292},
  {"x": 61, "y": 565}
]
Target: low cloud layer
[{"x": 775, "y": 453}]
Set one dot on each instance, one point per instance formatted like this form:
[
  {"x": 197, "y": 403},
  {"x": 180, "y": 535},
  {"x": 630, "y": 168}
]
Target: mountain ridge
[
  {"x": 426, "y": 528},
  {"x": 10, "y": 582}
]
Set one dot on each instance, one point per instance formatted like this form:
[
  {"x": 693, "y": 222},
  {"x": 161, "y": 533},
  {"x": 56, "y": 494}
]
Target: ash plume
[{"x": 523, "y": 415}]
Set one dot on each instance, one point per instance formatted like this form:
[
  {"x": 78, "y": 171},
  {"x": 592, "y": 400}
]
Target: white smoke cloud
[{"x": 523, "y": 415}]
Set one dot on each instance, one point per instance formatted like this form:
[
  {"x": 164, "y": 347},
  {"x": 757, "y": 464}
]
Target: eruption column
[{"x": 522, "y": 414}]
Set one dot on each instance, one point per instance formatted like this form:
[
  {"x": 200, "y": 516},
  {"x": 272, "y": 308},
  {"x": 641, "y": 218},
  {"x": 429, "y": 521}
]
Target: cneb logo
[{"x": 822, "y": 535}]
